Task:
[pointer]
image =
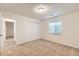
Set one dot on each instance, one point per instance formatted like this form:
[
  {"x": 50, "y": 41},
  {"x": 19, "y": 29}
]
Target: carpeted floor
[{"x": 38, "y": 48}]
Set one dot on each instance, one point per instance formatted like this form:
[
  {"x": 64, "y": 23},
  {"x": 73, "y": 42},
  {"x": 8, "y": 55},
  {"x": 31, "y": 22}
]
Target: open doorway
[
  {"x": 9, "y": 33},
  {"x": 9, "y": 30}
]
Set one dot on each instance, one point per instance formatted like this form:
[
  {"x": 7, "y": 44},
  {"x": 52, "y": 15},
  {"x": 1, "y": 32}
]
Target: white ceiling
[{"x": 26, "y": 9}]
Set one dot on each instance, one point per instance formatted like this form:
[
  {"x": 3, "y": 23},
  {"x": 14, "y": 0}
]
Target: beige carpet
[{"x": 38, "y": 48}]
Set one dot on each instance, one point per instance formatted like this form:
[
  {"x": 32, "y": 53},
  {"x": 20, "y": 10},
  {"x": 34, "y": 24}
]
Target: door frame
[
  {"x": 10, "y": 20},
  {"x": 13, "y": 27}
]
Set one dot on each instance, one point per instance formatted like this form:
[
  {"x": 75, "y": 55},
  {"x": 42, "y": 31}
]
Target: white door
[{"x": 1, "y": 33}]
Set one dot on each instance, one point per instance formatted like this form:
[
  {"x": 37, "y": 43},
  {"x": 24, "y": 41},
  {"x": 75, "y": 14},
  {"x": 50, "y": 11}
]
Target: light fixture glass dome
[{"x": 41, "y": 9}]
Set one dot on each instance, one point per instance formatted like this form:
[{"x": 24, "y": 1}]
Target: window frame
[{"x": 55, "y": 32}]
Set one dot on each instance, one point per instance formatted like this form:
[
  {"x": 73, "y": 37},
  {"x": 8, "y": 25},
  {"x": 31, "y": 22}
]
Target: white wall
[
  {"x": 70, "y": 30},
  {"x": 27, "y": 29}
]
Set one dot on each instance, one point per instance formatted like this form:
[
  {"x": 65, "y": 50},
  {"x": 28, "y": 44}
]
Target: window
[{"x": 55, "y": 27}]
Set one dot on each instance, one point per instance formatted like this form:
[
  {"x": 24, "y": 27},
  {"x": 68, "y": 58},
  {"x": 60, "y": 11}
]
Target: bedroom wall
[{"x": 70, "y": 30}]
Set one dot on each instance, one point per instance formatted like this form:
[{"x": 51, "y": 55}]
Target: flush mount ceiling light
[{"x": 41, "y": 9}]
